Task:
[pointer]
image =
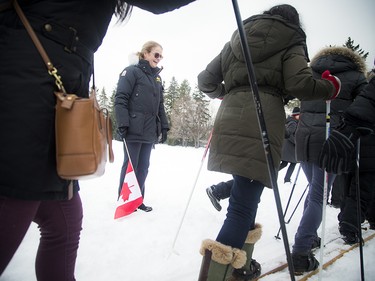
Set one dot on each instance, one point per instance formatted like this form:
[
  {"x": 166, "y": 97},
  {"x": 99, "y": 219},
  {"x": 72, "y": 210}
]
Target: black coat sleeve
[
  {"x": 362, "y": 111},
  {"x": 160, "y": 6}
]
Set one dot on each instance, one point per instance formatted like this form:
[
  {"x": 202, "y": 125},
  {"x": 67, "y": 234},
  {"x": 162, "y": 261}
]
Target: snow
[{"x": 158, "y": 245}]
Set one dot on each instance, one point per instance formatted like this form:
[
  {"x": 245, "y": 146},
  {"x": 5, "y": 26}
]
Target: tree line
[{"x": 187, "y": 111}]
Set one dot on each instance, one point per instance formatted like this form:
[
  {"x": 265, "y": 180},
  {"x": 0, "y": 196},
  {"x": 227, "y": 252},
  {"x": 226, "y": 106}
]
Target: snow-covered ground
[{"x": 155, "y": 246}]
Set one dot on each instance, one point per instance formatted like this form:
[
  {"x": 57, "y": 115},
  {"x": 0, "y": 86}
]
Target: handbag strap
[{"x": 51, "y": 69}]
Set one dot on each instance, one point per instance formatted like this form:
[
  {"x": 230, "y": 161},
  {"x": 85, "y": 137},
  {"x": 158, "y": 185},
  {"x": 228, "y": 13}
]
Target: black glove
[
  {"x": 122, "y": 131},
  {"x": 338, "y": 154},
  {"x": 164, "y": 133}
]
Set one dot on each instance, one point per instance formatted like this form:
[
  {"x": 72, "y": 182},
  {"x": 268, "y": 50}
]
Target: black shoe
[
  {"x": 316, "y": 243},
  {"x": 145, "y": 208},
  {"x": 350, "y": 238},
  {"x": 304, "y": 262},
  {"x": 243, "y": 274},
  {"x": 214, "y": 200}
]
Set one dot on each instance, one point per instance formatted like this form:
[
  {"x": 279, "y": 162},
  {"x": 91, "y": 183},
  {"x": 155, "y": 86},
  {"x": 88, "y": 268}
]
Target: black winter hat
[{"x": 296, "y": 111}]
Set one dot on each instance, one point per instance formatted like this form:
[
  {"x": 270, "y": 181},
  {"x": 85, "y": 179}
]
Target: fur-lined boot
[
  {"x": 252, "y": 268},
  {"x": 219, "y": 260}
]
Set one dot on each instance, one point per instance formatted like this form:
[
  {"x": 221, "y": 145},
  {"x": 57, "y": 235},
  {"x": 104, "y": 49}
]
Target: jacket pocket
[{"x": 136, "y": 123}]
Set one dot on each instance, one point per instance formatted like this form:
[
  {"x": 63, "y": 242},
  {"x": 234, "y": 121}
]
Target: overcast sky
[{"x": 193, "y": 35}]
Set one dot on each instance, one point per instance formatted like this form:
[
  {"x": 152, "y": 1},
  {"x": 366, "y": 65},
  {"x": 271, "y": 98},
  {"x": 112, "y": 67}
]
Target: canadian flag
[{"x": 130, "y": 194}]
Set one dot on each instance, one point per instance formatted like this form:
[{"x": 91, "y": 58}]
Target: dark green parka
[{"x": 278, "y": 50}]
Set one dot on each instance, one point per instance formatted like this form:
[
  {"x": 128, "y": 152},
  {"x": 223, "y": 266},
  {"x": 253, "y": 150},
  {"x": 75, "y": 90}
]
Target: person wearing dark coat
[
  {"x": 360, "y": 114},
  {"x": 30, "y": 189},
  {"x": 278, "y": 48},
  {"x": 350, "y": 68},
  {"x": 221, "y": 190},
  {"x": 288, "y": 155},
  {"x": 140, "y": 113}
]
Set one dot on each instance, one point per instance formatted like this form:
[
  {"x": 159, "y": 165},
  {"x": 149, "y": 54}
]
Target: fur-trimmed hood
[{"x": 334, "y": 52}]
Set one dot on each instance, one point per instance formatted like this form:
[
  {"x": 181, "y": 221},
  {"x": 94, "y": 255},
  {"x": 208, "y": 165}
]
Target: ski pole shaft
[
  {"x": 325, "y": 190},
  {"x": 295, "y": 208},
  {"x": 358, "y": 189},
  {"x": 289, "y": 199},
  {"x": 192, "y": 190},
  {"x": 264, "y": 135}
]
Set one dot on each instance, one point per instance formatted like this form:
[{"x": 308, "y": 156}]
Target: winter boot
[
  {"x": 349, "y": 233},
  {"x": 316, "y": 243},
  {"x": 219, "y": 260},
  {"x": 252, "y": 268},
  {"x": 304, "y": 262},
  {"x": 215, "y": 200}
]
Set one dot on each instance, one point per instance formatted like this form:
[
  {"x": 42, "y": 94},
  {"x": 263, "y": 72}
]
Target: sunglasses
[{"x": 158, "y": 55}]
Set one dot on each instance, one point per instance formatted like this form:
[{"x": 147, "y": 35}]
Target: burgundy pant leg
[
  {"x": 15, "y": 219},
  {"x": 60, "y": 224}
]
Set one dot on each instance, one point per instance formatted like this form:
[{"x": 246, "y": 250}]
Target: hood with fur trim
[{"x": 337, "y": 59}]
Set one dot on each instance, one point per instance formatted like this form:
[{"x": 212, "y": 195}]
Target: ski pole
[
  {"x": 325, "y": 189},
  {"x": 264, "y": 135},
  {"x": 192, "y": 190},
  {"x": 358, "y": 189},
  {"x": 290, "y": 197},
  {"x": 299, "y": 201}
]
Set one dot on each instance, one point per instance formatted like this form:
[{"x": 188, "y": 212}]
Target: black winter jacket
[
  {"x": 139, "y": 103},
  {"x": 70, "y": 31},
  {"x": 349, "y": 67},
  {"x": 361, "y": 113}
]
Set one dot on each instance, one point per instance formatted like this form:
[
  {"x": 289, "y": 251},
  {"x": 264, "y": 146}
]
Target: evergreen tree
[
  {"x": 170, "y": 96},
  {"x": 356, "y": 48},
  {"x": 103, "y": 99},
  {"x": 111, "y": 112},
  {"x": 182, "y": 116},
  {"x": 201, "y": 117}
]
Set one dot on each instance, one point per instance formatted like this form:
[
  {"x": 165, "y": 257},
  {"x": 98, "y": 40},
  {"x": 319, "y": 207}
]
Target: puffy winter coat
[
  {"x": 361, "y": 113},
  {"x": 70, "y": 31},
  {"x": 349, "y": 67},
  {"x": 289, "y": 146},
  {"x": 139, "y": 103},
  {"x": 278, "y": 51}
]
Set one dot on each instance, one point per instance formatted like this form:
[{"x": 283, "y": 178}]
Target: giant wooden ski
[{"x": 333, "y": 254}]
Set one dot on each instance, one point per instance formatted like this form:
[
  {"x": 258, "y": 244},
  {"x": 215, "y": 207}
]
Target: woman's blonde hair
[{"x": 147, "y": 47}]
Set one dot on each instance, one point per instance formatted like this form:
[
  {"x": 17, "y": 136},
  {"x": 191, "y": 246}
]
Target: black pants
[
  {"x": 348, "y": 207},
  {"x": 290, "y": 170}
]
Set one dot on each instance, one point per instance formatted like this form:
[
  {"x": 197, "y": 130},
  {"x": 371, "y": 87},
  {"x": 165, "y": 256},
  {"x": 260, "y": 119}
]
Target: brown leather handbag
[{"x": 83, "y": 130}]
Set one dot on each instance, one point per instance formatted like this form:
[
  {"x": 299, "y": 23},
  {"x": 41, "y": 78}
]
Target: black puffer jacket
[
  {"x": 139, "y": 103},
  {"x": 350, "y": 68},
  {"x": 71, "y": 31},
  {"x": 361, "y": 113}
]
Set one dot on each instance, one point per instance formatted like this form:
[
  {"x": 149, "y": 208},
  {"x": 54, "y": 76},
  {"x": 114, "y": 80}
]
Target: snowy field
[{"x": 155, "y": 246}]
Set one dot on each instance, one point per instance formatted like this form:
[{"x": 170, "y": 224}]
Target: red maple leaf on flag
[
  {"x": 125, "y": 191},
  {"x": 130, "y": 194}
]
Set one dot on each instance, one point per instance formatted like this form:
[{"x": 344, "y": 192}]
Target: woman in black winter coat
[
  {"x": 350, "y": 68},
  {"x": 30, "y": 189},
  {"x": 361, "y": 113},
  {"x": 140, "y": 113}
]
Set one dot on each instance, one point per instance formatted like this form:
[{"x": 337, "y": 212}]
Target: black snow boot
[
  {"x": 316, "y": 243},
  {"x": 304, "y": 262},
  {"x": 215, "y": 200},
  {"x": 349, "y": 233}
]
